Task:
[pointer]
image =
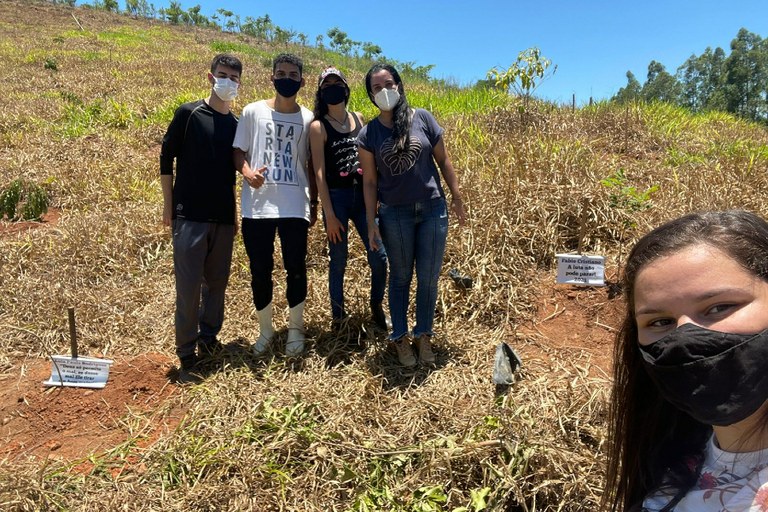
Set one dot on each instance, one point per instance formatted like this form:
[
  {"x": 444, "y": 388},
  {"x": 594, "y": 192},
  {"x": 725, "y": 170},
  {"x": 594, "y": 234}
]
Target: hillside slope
[{"x": 87, "y": 98}]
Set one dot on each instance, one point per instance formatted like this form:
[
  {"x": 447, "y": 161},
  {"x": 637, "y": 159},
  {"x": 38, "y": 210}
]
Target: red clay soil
[
  {"x": 70, "y": 423},
  {"x": 51, "y": 218},
  {"x": 577, "y": 322}
]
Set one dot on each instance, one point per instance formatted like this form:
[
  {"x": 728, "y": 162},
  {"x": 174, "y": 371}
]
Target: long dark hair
[
  {"x": 401, "y": 114},
  {"x": 653, "y": 444}
]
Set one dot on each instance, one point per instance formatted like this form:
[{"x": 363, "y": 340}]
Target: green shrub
[{"x": 23, "y": 200}]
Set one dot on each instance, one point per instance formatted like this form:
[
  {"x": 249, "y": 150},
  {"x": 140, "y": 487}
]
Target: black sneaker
[
  {"x": 379, "y": 318},
  {"x": 209, "y": 347},
  {"x": 188, "y": 371}
]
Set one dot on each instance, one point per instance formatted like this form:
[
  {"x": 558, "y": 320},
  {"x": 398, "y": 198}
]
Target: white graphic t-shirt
[
  {"x": 729, "y": 482},
  {"x": 281, "y": 143}
]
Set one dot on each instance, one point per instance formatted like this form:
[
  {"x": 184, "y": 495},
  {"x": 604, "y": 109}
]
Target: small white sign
[
  {"x": 580, "y": 269},
  {"x": 81, "y": 372}
]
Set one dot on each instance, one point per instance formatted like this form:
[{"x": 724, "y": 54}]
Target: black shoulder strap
[
  {"x": 357, "y": 121},
  {"x": 327, "y": 124}
]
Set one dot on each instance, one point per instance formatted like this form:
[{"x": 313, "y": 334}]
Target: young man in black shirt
[{"x": 200, "y": 206}]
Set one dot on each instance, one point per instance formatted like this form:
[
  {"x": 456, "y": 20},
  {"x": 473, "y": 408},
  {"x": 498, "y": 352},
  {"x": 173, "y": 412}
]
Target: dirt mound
[
  {"x": 70, "y": 423},
  {"x": 51, "y": 218},
  {"x": 578, "y": 323}
]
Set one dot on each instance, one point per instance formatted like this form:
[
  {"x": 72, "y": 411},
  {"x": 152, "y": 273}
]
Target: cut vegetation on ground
[{"x": 345, "y": 428}]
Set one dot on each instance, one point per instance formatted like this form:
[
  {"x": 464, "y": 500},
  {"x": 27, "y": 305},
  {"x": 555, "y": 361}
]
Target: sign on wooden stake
[
  {"x": 580, "y": 269},
  {"x": 74, "y": 371}
]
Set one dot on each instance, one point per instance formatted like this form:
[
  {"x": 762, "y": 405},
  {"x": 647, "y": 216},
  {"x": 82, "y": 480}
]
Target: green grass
[{"x": 239, "y": 49}]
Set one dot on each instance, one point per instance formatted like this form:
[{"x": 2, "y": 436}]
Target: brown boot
[
  {"x": 424, "y": 348},
  {"x": 405, "y": 352}
]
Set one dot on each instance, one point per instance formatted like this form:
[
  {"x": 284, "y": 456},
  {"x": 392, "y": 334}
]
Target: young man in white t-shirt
[{"x": 271, "y": 151}]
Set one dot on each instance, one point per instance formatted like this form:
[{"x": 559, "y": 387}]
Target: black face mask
[
  {"x": 333, "y": 94},
  {"x": 717, "y": 378},
  {"x": 286, "y": 87}
]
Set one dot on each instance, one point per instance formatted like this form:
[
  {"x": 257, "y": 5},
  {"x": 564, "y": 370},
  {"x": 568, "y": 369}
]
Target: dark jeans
[
  {"x": 259, "y": 240},
  {"x": 348, "y": 204},
  {"x": 202, "y": 253}
]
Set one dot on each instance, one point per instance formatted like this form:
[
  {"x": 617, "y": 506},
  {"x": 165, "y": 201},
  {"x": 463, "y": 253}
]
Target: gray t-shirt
[{"x": 409, "y": 177}]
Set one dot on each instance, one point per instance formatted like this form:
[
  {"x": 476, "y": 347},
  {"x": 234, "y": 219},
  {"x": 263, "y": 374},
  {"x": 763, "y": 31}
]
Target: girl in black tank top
[
  {"x": 333, "y": 142},
  {"x": 342, "y": 167}
]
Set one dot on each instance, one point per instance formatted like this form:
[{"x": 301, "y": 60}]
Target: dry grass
[{"x": 344, "y": 429}]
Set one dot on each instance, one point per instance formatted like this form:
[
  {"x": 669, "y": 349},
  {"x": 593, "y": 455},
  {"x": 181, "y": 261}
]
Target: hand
[
  {"x": 333, "y": 229},
  {"x": 254, "y": 178},
  {"x": 457, "y": 206},
  {"x": 374, "y": 236},
  {"x": 167, "y": 215}
]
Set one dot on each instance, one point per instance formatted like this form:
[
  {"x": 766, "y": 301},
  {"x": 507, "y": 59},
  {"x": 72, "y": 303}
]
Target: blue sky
[{"x": 593, "y": 43}]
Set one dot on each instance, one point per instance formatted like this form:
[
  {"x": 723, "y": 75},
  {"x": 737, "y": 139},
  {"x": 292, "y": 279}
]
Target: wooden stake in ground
[
  {"x": 72, "y": 332},
  {"x": 583, "y": 224}
]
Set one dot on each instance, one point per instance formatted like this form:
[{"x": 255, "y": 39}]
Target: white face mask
[
  {"x": 225, "y": 88},
  {"x": 386, "y": 99}
]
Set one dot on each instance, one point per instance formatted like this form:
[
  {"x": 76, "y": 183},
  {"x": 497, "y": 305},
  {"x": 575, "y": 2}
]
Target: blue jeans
[
  {"x": 414, "y": 235},
  {"x": 348, "y": 204}
]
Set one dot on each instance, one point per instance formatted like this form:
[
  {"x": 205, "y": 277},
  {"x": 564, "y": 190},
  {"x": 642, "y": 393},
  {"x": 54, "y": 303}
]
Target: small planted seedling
[{"x": 23, "y": 200}]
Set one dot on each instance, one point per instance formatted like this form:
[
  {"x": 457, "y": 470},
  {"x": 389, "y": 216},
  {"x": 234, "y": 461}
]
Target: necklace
[{"x": 346, "y": 118}]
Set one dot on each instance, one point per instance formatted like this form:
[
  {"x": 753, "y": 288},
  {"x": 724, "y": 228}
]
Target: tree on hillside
[
  {"x": 371, "y": 51},
  {"x": 106, "y": 5},
  {"x": 701, "y": 80},
  {"x": 660, "y": 85},
  {"x": 412, "y": 70},
  {"x": 228, "y": 21},
  {"x": 260, "y": 28},
  {"x": 194, "y": 17},
  {"x": 736, "y": 83},
  {"x": 524, "y": 75},
  {"x": 140, "y": 8},
  {"x": 746, "y": 81},
  {"x": 339, "y": 41},
  {"x": 629, "y": 93},
  {"x": 283, "y": 36},
  {"x": 173, "y": 14}
]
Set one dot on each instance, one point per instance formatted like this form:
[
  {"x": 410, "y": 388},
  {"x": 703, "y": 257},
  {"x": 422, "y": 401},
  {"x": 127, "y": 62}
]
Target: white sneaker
[
  {"x": 261, "y": 346},
  {"x": 294, "y": 345}
]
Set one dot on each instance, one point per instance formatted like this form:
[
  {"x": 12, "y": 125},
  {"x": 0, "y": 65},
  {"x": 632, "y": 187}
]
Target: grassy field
[{"x": 86, "y": 98}]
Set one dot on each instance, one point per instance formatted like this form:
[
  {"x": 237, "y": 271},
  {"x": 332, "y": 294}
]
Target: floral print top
[{"x": 729, "y": 482}]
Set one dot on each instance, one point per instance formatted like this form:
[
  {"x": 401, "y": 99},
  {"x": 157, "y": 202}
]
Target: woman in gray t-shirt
[{"x": 400, "y": 152}]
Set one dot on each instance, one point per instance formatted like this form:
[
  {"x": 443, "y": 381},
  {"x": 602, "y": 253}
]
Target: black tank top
[{"x": 342, "y": 166}]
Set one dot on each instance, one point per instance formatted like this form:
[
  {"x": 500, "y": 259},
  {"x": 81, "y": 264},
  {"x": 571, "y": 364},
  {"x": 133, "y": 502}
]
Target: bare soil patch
[
  {"x": 50, "y": 219},
  {"x": 578, "y": 323},
  {"x": 70, "y": 423}
]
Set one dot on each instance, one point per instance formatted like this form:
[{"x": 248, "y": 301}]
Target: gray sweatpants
[{"x": 202, "y": 254}]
